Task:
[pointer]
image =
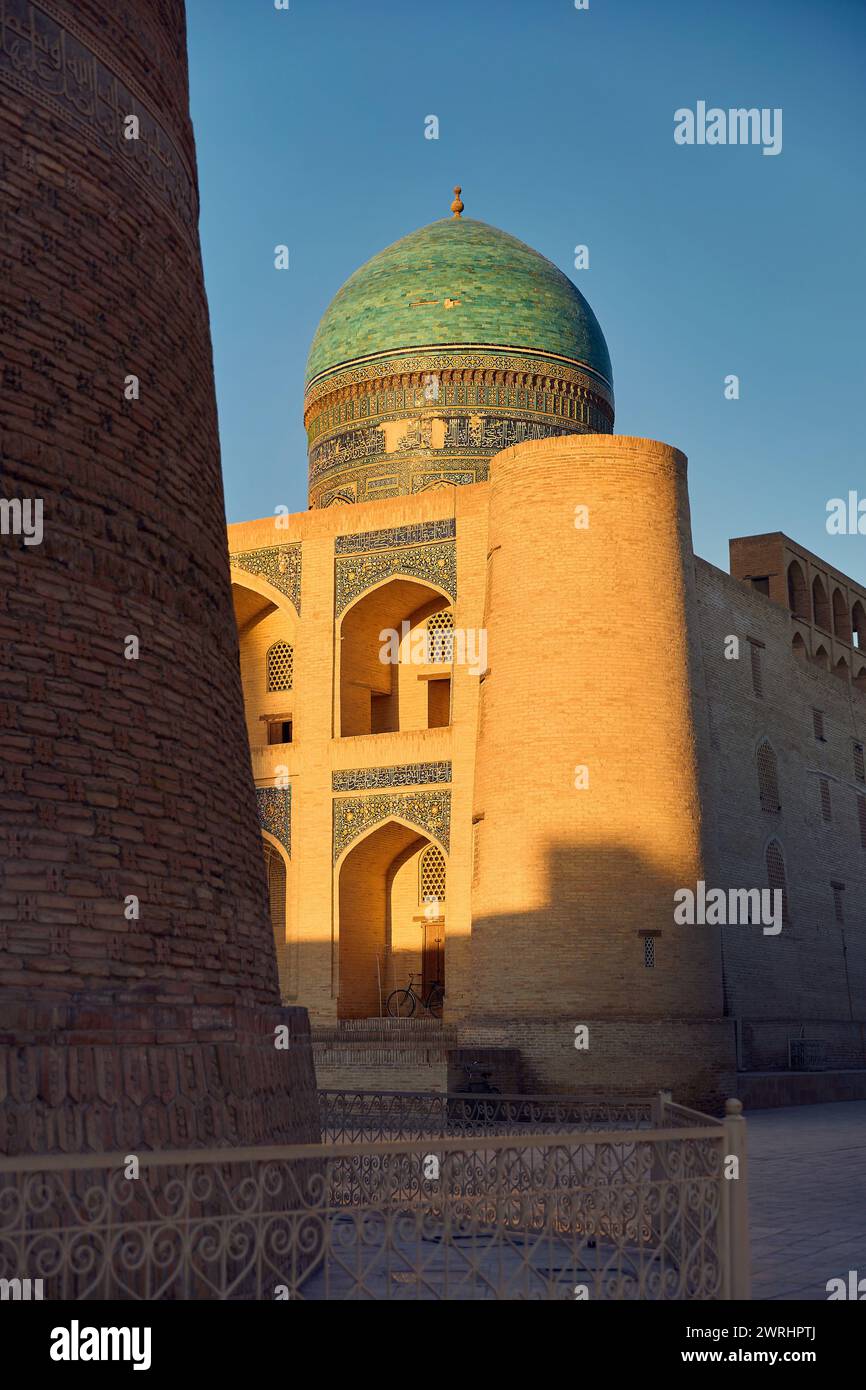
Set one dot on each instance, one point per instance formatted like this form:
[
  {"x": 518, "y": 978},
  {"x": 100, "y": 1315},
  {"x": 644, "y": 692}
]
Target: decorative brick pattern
[
  {"x": 407, "y": 775},
  {"x": 392, "y": 537},
  {"x": 280, "y": 565},
  {"x": 275, "y": 813},
  {"x": 436, "y": 563},
  {"x": 53, "y": 61},
  {"x": 430, "y": 811}
]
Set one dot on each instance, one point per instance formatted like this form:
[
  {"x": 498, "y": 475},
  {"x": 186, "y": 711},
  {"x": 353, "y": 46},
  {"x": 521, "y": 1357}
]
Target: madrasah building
[{"x": 569, "y": 736}]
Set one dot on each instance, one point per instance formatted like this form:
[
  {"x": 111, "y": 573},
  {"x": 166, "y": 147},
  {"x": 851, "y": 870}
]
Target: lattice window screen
[
  {"x": 431, "y": 875},
  {"x": 281, "y": 663},
  {"x": 757, "y": 674},
  {"x": 649, "y": 952},
  {"x": 859, "y": 763},
  {"x": 818, "y": 724},
  {"x": 777, "y": 876},
  {"x": 440, "y": 636},
  {"x": 768, "y": 778},
  {"x": 826, "y": 802},
  {"x": 861, "y": 816}
]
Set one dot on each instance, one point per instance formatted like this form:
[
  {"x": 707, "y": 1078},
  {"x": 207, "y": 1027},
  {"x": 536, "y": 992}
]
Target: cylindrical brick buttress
[
  {"x": 587, "y": 808},
  {"x": 125, "y": 768}
]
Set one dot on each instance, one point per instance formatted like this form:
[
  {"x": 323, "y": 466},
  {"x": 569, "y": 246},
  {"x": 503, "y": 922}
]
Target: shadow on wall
[
  {"x": 586, "y": 946},
  {"x": 604, "y": 953}
]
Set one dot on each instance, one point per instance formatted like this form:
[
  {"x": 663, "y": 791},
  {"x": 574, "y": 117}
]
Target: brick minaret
[{"x": 138, "y": 991}]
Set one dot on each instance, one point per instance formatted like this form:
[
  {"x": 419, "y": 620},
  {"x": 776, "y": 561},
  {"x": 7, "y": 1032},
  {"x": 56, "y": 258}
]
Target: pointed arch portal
[{"x": 385, "y": 932}]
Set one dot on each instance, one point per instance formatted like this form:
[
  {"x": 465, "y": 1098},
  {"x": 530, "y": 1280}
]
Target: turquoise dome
[{"x": 458, "y": 282}]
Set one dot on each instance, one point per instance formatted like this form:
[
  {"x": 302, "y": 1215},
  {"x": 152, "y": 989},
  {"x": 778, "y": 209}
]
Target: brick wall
[
  {"x": 120, "y": 777},
  {"x": 811, "y": 979}
]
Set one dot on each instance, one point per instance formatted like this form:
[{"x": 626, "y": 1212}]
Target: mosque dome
[
  {"x": 458, "y": 281},
  {"x": 448, "y": 346}
]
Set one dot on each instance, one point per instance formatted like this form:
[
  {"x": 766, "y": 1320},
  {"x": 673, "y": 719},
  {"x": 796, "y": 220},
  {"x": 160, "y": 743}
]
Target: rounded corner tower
[{"x": 454, "y": 343}]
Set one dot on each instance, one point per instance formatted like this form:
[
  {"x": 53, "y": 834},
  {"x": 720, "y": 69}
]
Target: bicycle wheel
[
  {"x": 436, "y": 1000},
  {"x": 400, "y": 1003}
]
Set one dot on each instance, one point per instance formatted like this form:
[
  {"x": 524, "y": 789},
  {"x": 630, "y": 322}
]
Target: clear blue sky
[{"x": 558, "y": 124}]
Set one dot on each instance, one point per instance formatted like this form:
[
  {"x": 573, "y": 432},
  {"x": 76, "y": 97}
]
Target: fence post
[
  {"x": 658, "y": 1177},
  {"x": 738, "y": 1254},
  {"x": 660, "y": 1101}
]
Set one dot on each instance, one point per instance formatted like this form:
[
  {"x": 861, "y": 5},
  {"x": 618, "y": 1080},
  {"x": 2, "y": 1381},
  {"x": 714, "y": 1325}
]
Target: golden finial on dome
[{"x": 457, "y": 206}]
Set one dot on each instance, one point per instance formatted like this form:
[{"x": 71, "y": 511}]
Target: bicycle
[{"x": 402, "y": 1003}]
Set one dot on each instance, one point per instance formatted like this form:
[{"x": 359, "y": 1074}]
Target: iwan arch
[{"x": 423, "y": 817}]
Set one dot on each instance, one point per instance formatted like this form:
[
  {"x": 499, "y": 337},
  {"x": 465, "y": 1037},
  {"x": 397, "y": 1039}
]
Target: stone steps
[{"x": 383, "y": 1053}]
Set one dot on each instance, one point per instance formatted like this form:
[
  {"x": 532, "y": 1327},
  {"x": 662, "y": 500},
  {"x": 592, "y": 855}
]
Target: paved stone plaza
[{"x": 807, "y": 1198}]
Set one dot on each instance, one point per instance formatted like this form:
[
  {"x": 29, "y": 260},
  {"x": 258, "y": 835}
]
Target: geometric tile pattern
[
  {"x": 405, "y": 775},
  {"x": 429, "y": 811},
  {"x": 436, "y": 563},
  {"x": 279, "y": 564},
  {"x": 275, "y": 814}
]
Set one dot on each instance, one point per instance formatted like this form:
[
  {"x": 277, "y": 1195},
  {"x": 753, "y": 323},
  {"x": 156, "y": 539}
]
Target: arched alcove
[
  {"x": 267, "y": 624},
  {"x": 820, "y": 604},
  {"x": 277, "y": 872},
  {"x": 841, "y": 617},
  {"x": 387, "y": 682},
  {"x": 385, "y": 934},
  {"x": 798, "y": 594},
  {"x": 822, "y": 657}
]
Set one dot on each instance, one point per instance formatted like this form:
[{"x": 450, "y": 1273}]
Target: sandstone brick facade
[{"x": 606, "y": 651}]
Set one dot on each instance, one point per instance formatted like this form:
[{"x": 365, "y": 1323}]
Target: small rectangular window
[
  {"x": 280, "y": 731},
  {"x": 838, "y": 891},
  {"x": 762, "y": 584},
  {"x": 649, "y": 952},
  {"x": 826, "y": 803},
  {"x": 861, "y": 816},
  {"x": 438, "y": 704},
  {"x": 859, "y": 763},
  {"x": 381, "y": 713},
  {"x": 757, "y": 673},
  {"x": 818, "y": 725}
]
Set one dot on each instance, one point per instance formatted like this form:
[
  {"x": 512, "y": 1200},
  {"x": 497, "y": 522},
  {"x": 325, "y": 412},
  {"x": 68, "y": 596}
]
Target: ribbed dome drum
[{"x": 452, "y": 344}]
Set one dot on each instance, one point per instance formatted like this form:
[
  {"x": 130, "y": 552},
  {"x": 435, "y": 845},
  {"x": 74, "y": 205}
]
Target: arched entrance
[
  {"x": 391, "y": 895},
  {"x": 277, "y": 875}
]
